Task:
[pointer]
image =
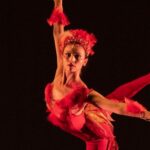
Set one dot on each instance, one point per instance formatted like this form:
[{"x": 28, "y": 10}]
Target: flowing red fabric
[
  {"x": 130, "y": 89},
  {"x": 77, "y": 115}
]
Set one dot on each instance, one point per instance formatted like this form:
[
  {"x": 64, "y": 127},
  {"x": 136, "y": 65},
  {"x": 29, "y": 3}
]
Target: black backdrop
[{"x": 122, "y": 54}]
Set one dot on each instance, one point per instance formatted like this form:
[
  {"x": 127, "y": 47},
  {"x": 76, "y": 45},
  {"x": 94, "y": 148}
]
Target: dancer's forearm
[{"x": 128, "y": 108}]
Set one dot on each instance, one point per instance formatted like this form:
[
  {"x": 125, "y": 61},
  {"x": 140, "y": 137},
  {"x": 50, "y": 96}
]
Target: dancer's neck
[{"x": 71, "y": 78}]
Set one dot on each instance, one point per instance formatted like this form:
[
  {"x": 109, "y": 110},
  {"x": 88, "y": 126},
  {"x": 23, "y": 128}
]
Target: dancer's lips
[{"x": 71, "y": 65}]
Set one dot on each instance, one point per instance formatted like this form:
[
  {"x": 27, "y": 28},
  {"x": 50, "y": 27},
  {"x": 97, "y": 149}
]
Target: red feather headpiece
[{"x": 78, "y": 36}]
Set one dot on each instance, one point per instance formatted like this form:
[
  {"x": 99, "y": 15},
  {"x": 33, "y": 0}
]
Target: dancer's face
[{"x": 74, "y": 58}]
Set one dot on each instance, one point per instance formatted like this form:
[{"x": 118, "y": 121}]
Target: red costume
[{"x": 77, "y": 115}]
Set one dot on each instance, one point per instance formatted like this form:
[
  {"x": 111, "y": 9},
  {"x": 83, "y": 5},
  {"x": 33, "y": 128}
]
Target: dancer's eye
[
  {"x": 67, "y": 55},
  {"x": 77, "y": 56}
]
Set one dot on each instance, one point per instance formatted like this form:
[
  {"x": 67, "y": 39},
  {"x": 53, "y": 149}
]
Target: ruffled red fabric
[
  {"x": 73, "y": 98},
  {"x": 67, "y": 109},
  {"x": 47, "y": 93},
  {"x": 134, "y": 107},
  {"x": 59, "y": 17}
]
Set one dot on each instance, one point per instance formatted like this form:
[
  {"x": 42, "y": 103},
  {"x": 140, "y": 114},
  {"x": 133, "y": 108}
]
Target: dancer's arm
[
  {"x": 58, "y": 19},
  {"x": 129, "y": 108},
  {"x": 58, "y": 29}
]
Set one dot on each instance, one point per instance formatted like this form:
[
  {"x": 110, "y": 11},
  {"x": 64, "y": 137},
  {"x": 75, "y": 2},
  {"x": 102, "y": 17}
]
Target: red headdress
[{"x": 78, "y": 36}]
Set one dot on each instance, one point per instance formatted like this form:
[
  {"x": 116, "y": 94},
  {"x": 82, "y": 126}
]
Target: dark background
[{"x": 122, "y": 54}]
